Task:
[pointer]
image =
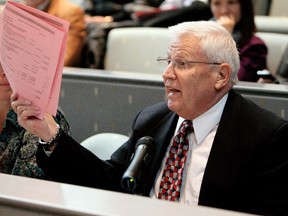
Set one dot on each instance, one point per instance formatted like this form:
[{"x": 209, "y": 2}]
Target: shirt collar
[{"x": 204, "y": 123}]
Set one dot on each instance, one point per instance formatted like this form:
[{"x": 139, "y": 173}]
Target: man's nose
[{"x": 169, "y": 72}]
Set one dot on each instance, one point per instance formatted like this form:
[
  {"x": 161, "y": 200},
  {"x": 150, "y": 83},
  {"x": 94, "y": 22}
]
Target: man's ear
[{"x": 224, "y": 76}]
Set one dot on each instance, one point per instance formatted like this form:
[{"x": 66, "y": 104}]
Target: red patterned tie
[{"x": 172, "y": 175}]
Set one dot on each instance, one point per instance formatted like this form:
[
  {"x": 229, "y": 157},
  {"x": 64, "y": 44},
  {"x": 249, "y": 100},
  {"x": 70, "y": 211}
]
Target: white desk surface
[{"x": 28, "y": 196}]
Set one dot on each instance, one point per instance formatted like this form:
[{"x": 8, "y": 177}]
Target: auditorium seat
[
  {"x": 135, "y": 49},
  {"x": 104, "y": 144},
  {"x": 276, "y": 24},
  {"x": 276, "y": 44}
]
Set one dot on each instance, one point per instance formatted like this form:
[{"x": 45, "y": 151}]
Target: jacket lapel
[
  {"x": 225, "y": 157},
  {"x": 162, "y": 135}
]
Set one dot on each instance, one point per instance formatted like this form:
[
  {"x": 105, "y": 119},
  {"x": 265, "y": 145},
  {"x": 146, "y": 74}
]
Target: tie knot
[{"x": 186, "y": 127}]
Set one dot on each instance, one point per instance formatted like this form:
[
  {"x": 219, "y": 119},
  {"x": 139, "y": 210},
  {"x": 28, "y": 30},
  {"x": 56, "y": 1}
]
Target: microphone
[{"x": 143, "y": 147}]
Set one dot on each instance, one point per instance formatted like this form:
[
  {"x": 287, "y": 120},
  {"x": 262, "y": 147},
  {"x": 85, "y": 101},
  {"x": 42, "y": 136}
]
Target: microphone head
[
  {"x": 131, "y": 176},
  {"x": 146, "y": 140}
]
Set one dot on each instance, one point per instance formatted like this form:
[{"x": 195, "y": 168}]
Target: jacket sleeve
[
  {"x": 270, "y": 180},
  {"x": 73, "y": 164}
]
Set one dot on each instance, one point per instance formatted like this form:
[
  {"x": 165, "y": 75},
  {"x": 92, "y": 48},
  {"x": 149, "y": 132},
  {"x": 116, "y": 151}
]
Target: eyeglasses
[{"x": 180, "y": 64}]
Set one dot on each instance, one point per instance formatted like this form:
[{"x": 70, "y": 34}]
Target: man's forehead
[{"x": 186, "y": 45}]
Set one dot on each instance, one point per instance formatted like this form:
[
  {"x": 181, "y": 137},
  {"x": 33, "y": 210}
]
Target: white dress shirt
[{"x": 200, "y": 143}]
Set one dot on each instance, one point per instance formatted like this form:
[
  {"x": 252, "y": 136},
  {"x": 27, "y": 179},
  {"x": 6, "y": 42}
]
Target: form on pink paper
[{"x": 32, "y": 47}]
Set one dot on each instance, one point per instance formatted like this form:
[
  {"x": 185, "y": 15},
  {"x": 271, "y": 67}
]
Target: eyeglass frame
[{"x": 160, "y": 59}]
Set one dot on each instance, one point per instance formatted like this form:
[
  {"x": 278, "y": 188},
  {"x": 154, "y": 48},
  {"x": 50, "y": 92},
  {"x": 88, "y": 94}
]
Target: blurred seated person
[
  {"x": 153, "y": 13},
  {"x": 77, "y": 30},
  {"x": 173, "y": 12},
  {"x": 115, "y": 10},
  {"x": 176, "y": 4},
  {"x": 237, "y": 16},
  {"x": 17, "y": 146}
]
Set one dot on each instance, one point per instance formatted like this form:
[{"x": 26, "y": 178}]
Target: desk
[
  {"x": 30, "y": 197},
  {"x": 98, "y": 101}
]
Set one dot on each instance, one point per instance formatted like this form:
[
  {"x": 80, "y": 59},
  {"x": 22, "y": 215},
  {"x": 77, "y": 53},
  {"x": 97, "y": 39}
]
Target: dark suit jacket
[{"x": 246, "y": 170}]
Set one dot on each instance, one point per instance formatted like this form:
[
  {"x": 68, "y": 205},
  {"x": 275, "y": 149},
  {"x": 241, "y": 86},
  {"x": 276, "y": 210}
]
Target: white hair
[{"x": 216, "y": 42}]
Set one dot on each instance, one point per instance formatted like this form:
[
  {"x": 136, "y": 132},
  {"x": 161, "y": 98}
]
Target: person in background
[
  {"x": 77, "y": 30},
  {"x": 116, "y": 10},
  {"x": 174, "y": 12},
  {"x": 17, "y": 146},
  {"x": 105, "y": 10},
  {"x": 176, "y": 4},
  {"x": 232, "y": 153},
  {"x": 237, "y": 16}
]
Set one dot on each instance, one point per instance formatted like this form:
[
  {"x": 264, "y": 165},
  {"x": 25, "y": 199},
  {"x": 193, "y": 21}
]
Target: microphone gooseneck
[{"x": 143, "y": 148}]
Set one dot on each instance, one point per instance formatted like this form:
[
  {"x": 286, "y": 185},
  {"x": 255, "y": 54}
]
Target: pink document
[{"x": 32, "y": 54}]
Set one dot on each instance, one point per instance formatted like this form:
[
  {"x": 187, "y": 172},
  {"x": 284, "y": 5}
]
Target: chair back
[
  {"x": 276, "y": 44},
  {"x": 276, "y": 24},
  {"x": 104, "y": 144},
  {"x": 135, "y": 49}
]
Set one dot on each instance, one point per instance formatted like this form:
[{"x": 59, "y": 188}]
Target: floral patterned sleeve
[{"x": 25, "y": 163}]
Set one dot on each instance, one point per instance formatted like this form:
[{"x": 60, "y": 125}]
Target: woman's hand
[{"x": 44, "y": 128}]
